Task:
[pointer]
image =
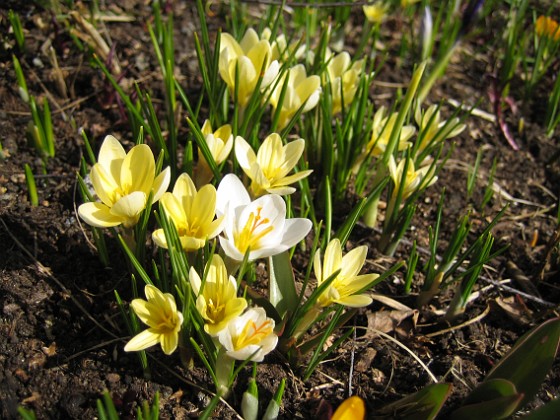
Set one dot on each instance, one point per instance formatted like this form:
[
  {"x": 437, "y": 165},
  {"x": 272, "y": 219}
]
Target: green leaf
[
  {"x": 548, "y": 411},
  {"x": 530, "y": 359},
  {"x": 424, "y": 404},
  {"x": 497, "y": 408},
  {"x": 282, "y": 287}
]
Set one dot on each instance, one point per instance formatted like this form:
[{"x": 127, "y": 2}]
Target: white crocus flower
[
  {"x": 259, "y": 227},
  {"x": 249, "y": 336}
]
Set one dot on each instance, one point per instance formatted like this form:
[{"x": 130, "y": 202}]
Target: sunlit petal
[{"x": 98, "y": 215}]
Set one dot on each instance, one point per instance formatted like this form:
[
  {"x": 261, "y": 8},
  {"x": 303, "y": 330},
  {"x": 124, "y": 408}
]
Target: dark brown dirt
[{"x": 62, "y": 336}]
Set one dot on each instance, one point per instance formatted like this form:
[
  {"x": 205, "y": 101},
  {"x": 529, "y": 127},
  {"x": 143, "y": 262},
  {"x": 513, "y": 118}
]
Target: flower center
[
  {"x": 254, "y": 230},
  {"x": 252, "y": 334}
]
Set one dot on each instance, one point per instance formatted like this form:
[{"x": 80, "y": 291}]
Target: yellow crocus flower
[
  {"x": 250, "y": 58},
  {"x": 193, "y": 214},
  {"x": 160, "y": 313},
  {"x": 431, "y": 128},
  {"x": 123, "y": 181},
  {"x": 376, "y": 12},
  {"x": 300, "y": 90},
  {"x": 547, "y": 27},
  {"x": 343, "y": 288},
  {"x": 217, "y": 300},
  {"x": 269, "y": 168},
  {"x": 344, "y": 78},
  {"x": 413, "y": 178},
  {"x": 353, "y": 408},
  {"x": 220, "y": 143}
]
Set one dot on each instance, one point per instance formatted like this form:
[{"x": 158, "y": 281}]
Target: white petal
[{"x": 232, "y": 192}]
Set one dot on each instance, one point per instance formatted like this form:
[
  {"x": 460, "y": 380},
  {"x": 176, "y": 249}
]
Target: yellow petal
[
  {"x": 206, "y": 128},
  {"x": 355, "y": 301},
  {"x": 106, "y": 187},
  {"x": 250, "y": 39},
  {"x": 169, "y": 342},
  {"x": 339, "y": 65},
  {"x": 244, "y": 154},
  {"x": 161, "y": 183},
  {"x": 138, "y": 170},
  {"x": 158, "y": 236},
  {"x": 145, "y": 339},
  {"x": 174, "y": 210},
  {"x": 229, "y": 42},
  {"x": 293, "y": 152},
  {"x": 333, "y": 258},
  {"x": 352, "y": 408},
  {"x": 98, "y": 215},
  {"x": 204, "y": 206},
  {"x": 353, "y": 261},
  {"x": 111, "y": 156},
  {"x": 130, "y": 207}
]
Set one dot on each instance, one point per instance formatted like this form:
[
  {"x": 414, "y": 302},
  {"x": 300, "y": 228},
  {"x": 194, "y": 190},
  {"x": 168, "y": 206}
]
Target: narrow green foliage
[
  {"x": 473, "y": 174},
  {"x": 31, "y": 186},
  {"x": 515, "y": 380},
  {"x": 489, "y": 190},
  {"x": 106, "y": 408},
  {"x": 275, "y": 403},
  {"x": 17, "y": 29},
  {"x": 552, "y": 118},
  {"x": 424, "y": 404},
  {"x": 148, "y": 412},
  {"x": 26, "y": 414},
  {"x": 410, "y": 268},
  {"x": 282, "y": 287}
]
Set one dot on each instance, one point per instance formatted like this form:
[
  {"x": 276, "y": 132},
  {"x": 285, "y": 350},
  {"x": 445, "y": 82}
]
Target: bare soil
[{"x": 61, "y": 332}]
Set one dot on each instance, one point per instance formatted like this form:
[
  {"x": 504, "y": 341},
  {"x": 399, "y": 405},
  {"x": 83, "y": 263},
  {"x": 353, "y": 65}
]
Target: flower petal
[
  {"x": 130, "y": 207},
  {"x": 138, "y": 170},
  {"x": 111, "y": 156},
  {"x": 161, "y": 183},
  {"x": 98, "y": 215},
  {"x": 145, "y": 339},
  {"x": 169, "y": 342}
]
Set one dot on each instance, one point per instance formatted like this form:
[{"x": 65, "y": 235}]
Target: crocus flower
[
  {"x": 413, "y": 178},
  {"x": 344, "y": 78},
  {"x": 380, "y": 135},
  {"x": 547, "y": 27},
  {"x": 432, "y": 129},
  {"x": 259, "y": 226},
  {"x": 250, "y": 58},
  {"x": 269, "y": 168},
  {"x": 220, "y": 143},
  {"x": 300, "y": 90},
  {"x": 160, "y": 313},
  {"x": 193, "y": 214},
  {"x": 123, "y": 182},
  {"x": 353, "y": 408},
  {"x": 249, "y": 336},
  {"x": 343, "y": 288},
  {"x": 217, "y": 300},
  {"x": 376, "y": 12}
]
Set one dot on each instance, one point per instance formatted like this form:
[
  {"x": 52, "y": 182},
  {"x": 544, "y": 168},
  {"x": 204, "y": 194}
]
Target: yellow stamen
[
  {"x": 248, "y": 237},
  {"x": 252, "y": 334}
]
